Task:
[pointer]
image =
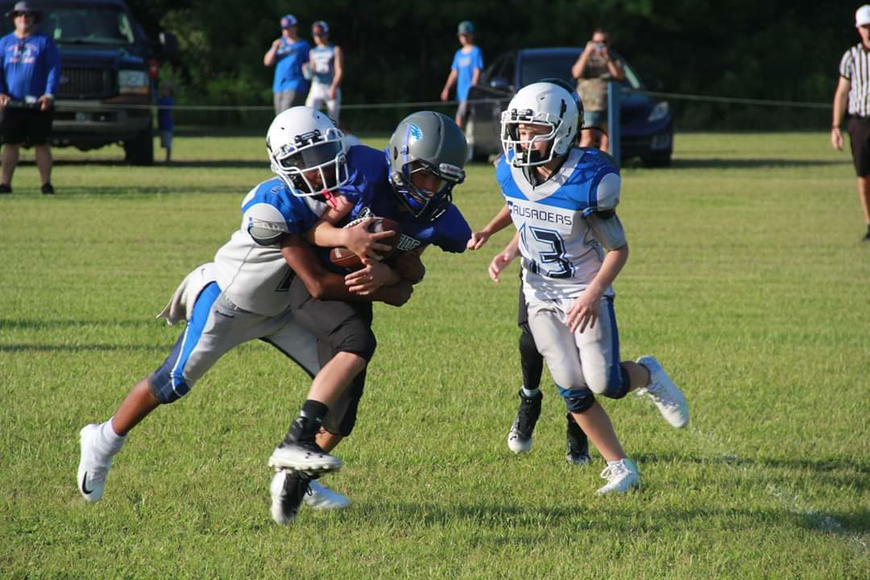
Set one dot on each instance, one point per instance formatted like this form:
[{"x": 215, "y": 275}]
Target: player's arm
[
  {"x": 326, "y": 285},
  {"x": 841, "y": 96},
  {"x": 503, "y": 259},
  {"x": 583, "y": 312},
  {"x": 501, "y": 220},
  {"x": 357, "y": 238}
]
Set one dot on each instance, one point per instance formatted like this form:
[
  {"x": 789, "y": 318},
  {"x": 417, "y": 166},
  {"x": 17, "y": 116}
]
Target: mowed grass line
[{"x": 746, "y": 279}]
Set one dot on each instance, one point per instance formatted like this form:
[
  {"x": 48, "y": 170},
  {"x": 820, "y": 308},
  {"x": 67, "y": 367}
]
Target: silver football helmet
[
  {"x": 306, "y": 151},
  {"x": 434, "y": 143},
  {"x": 550, "y": 103}
]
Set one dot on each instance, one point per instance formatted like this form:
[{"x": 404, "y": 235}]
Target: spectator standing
[
  {"x": 595, "y": 67},
  {"x": 29, "y": 79},
  {"x": 465, "y": 70},
  {"x": 288, "y": 54},
  {"x": 326, "y": 63},
  {"x": 165, "y": 123},
  {"x": 854, "y": 87}
]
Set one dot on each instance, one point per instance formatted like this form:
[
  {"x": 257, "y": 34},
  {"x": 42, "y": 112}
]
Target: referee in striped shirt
[{"x": 854, "y": 87}]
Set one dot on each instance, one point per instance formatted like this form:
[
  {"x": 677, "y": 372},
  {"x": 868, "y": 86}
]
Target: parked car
[
  {"x": 647, "y": 127},
  {"x": 107, "y": 61}
]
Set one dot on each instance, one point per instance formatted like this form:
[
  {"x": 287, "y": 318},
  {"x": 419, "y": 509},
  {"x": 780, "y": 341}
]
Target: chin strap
[{"x": 330, "y": 199}]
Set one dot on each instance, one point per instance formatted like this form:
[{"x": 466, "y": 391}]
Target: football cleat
[
  {"x": 321, "y": 497},
  {"x": 304, "y": 456},
  {"x": 93, "y": 465},
  {"x": 287, "y": 490},
  {"x": 578, "y": 444},
  {"x": 520, "y": 436},
  {"x": 621, "y": 476},
  {"x": 664, "y": 393}
]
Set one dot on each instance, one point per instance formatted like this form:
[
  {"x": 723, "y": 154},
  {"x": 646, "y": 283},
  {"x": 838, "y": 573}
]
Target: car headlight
[
  {"x": 659, "y": 112},
  {"x": 133, "y": 82}
]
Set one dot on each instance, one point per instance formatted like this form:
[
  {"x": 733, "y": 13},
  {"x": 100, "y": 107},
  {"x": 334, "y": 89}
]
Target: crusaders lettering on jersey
[{"x": 540, "y": 214}]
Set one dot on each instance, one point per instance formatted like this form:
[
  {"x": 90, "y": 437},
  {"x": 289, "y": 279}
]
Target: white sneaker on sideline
[
  {"x": 321, "y": 497},
  {"x": 93, "y": 465},
  {"x": 664, "y": 393},
  {"x": 621, "y": 476}
]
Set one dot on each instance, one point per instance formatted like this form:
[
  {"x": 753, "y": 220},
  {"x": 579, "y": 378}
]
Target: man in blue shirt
[
  {"x": 288, "y": 54},
  {"x": 465, "y": 70},
  {"x": 29, "y": 79}
]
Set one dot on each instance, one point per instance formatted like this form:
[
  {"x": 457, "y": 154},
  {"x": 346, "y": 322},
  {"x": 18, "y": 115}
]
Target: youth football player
[
  {"x": 562, "y": 200},
  {"x": 243, "y": 295},
  {"x": 412, "y": 183}
]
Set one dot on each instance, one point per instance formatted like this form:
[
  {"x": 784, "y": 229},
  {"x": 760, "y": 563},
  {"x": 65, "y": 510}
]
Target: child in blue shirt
[
  {"x": 165, "y": 124},
  {"x": 465, "y": 70}
]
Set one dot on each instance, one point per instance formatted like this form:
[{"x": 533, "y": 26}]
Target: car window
[{"x": 83, "y": 24}]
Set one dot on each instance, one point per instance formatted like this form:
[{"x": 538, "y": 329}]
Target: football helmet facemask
[
  {"x": 432, "y": 143},
  {"x": 551, "y": 104},
  {"x": 306, "y": 151}
]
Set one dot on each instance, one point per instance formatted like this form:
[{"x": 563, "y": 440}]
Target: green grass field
[{"x": 746, "y": 279}]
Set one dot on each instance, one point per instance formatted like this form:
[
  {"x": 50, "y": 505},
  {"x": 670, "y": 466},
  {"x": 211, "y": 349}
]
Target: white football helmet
[
  {"x": 550, "y": 103},
  {"x": 301, "y": 141}
]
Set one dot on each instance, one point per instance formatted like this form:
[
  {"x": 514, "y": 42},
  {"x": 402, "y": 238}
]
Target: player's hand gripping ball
[{"x": 344, "y": 258}]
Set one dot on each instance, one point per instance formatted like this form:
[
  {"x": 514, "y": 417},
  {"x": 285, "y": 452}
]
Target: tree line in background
[{"x": 400, "y": 51}]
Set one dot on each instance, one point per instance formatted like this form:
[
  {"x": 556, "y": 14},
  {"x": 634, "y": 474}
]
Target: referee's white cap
[{"x": 862, "y": 16}]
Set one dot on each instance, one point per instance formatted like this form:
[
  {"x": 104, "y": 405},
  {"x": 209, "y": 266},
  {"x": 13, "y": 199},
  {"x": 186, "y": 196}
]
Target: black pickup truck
[{"x": 107, "y": 63}]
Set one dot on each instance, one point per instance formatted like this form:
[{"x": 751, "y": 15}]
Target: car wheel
[{"x": 140, "y": 149}]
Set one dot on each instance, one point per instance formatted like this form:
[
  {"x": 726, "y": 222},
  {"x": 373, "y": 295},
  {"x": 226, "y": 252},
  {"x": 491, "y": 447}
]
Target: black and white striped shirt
[{"x": 855, "y": 66}]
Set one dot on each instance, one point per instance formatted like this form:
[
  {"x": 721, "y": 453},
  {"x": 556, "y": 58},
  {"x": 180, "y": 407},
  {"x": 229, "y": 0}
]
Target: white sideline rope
[{"x": 429, "y": 104}]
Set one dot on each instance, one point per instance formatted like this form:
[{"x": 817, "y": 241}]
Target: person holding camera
[
  {"x": 595, "y": 67},
  {"x": 29, "y": 79}
]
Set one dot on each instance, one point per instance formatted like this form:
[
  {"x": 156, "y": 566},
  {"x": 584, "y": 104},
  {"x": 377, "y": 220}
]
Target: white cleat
[
  {"x": 517, "y": 443},
  {"x": 93, "y": 466},
  {"x": 664, "y": 393},
  {"x": 621, "y": 476},
  {"x": 321, "y": 497},
  {"x": 305, "y": 457}
]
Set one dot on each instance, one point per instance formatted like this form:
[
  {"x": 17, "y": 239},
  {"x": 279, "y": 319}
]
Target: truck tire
[{"x": 140, "y": 149}]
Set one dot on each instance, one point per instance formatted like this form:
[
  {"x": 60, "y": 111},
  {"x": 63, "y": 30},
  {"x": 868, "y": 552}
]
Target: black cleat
[
  {"x": 5, "y": 188},
  {"x": 48, "y": 188},
  {"x": 578, "y": 444},
  {"x": 288, "y": 488},
  {"x": 520, "y": 436}
]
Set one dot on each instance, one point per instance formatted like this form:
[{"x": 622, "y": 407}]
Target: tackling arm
[{"x": 326, "y": 285}]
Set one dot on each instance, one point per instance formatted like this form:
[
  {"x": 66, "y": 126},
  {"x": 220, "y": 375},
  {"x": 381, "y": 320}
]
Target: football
[{"x": 344, "y": 258}]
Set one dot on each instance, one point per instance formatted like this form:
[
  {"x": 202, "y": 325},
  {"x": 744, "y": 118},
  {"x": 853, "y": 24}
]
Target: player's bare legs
[
  {"x": 335, "y": 376},
  {"x": 140, "y": 401},
  {"x": 100, "y": 443},
  {"x": 597, "y": 426}
]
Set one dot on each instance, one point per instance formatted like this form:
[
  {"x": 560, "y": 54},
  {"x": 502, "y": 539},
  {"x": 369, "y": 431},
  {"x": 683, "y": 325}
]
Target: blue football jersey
[
  {"x": 566, "y": 223},
  {"x": 370, "y": 188}
]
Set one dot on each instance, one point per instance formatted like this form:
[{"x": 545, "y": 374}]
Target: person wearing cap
[
  {"x": 465, "y": 70},
  {"x": 854, "y": 88},
  {"x": 326, "y": 65},
  {"x": 288, "y": 54},
  {"x": 593, "y": 69},
  {"x": 29, "y": 79}
]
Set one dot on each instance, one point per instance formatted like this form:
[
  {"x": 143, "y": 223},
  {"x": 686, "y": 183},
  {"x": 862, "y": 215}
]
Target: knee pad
[
  {"x": 168, "y": 386},
  {"x": 356, "y": 339},
  {"x": 617, "y": 389},
  {"x": 577, "y": 400}
]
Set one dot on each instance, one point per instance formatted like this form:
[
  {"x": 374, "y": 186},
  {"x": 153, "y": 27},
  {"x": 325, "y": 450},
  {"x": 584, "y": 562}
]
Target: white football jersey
[
  {"x": 566, "y": 223},
  {"x": 253, "y": 276}
]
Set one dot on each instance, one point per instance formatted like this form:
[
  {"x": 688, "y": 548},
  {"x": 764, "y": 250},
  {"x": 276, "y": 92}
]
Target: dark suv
[
  {"x": 647, "y": 127},
  {"x": 107, "y": 62}
]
